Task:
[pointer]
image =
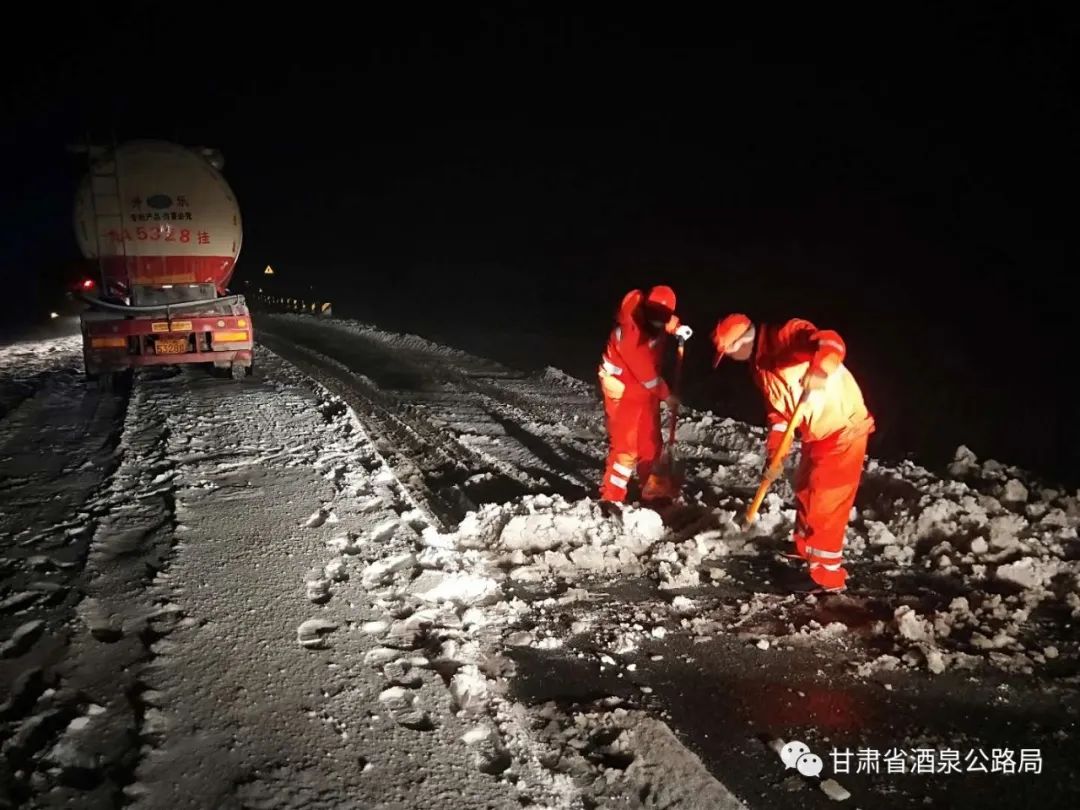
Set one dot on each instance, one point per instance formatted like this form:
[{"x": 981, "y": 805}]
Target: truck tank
[
  {"x": 163, "y": 227},
  {"x": 156, "y": 213}
]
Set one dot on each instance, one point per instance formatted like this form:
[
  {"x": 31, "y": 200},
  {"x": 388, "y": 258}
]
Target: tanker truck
[{"x": 160, "y": 228}]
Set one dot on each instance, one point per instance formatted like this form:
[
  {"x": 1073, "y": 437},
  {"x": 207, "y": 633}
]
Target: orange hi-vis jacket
[
  {"x": 632, "y": 355},
  {"x": 783, "y": 356}
]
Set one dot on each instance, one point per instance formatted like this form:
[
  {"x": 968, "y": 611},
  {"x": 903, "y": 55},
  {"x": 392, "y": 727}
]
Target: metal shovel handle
[{"x": 677, "y": 388}]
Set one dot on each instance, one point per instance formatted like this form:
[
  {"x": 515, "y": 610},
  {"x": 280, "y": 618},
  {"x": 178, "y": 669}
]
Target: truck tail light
[
  {"x": 108, "y": 342},
  {"x": 235, "y": 336}
]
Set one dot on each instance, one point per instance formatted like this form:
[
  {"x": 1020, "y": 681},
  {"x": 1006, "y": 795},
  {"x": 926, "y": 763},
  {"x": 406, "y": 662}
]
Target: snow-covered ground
[{"x": 375, "y": 575}]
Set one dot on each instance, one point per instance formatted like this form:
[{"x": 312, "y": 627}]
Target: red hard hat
[
  {"x": 661, "y": 300},
  {"x": 727, "y": 332}
]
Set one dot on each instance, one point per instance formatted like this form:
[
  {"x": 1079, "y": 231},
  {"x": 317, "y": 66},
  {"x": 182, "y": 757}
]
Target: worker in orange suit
[
  {"x": 785, "y": 360},
  {"x": 633, "y": 386}
]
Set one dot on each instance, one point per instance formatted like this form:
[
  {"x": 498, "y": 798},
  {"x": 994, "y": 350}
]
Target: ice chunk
[
  {"x": 475, "y": 735},
  {"x": 964, "y": 461},
  {"x": 317, "y": 519},
  {"x": 979, "y": 546},
  {"x": 382, "y": 570},
  {"x": 643, "y": 523},
  {"x": 396, "y": 695},
  {"x": 683, "y": 605},
  {"x": 588, "y": 558},
  {"x": 1003, "y": 531},
  {"x": 345, "y": 544},
  {"x": 879, "y": 535},
  {"x": 1015, "y": 492},
  {"x": 1028, "y": 573},
  {"x": 335, "y": 569},
  {"x": 318, "y": 589},
  {"x": 937, "y": 518},
  {"x": 380, "y": 655},
  {"x": 911, "y": 625},
  {"x": 462, "y": 589},
  {"x": 384, "y": 531},
  {"x": 625, "y": 642},
  {"x": 935, "y": 661},
  {"x": 1056, "y": 518},
  {"x": 312, "y": 632},
  {"x": 468, "y": 688},
  {"x": 473, "y": 617},
  {"x": 542, "y": 532},
  {"x": 834, "y": 790}
]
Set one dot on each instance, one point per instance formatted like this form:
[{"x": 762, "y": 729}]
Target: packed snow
[{"x": 389, "y": 543}]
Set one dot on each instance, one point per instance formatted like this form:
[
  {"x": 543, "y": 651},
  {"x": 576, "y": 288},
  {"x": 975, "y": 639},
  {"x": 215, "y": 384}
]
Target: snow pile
[
  {"x": 540, "y": 535},
  {"x": 988, "y": 529},
  {"x": 958, "y": 636}
]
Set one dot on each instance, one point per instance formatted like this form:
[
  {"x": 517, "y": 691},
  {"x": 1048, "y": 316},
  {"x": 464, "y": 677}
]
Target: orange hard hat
[
  {"x": 727, "y": 333},
  {"x": 661, "y": 302}
]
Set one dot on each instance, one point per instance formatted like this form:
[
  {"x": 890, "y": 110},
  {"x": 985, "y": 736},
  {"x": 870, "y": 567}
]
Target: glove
[{"x": 684, "y": 332}]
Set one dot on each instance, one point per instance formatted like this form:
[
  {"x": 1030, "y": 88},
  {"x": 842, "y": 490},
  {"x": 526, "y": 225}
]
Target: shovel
[
  {"x": 667, "y": 475},
  {"x": 776, "y": 463}
]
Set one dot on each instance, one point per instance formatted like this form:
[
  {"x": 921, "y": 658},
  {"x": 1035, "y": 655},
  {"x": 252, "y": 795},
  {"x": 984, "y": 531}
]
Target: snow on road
[
  {"x": 1011, "y": 546},
  {"x": 25, "y": 366},
  {"x": 237, "y": 622},
  {"x": 373, "y": 575},
  {"x": 974, "y": 573}
]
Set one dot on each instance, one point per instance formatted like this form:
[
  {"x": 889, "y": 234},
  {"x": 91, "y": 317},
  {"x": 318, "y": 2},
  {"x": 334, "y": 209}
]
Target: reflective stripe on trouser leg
[
  {"x": 622, "y": 457},
  {"x": 649, "y": 442},
  {"x": 825, "y": 488}
]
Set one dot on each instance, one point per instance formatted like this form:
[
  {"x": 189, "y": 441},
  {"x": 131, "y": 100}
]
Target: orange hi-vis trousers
[
  {"x": 633, "y": 424},
  {"x": 826, "y": 483}
]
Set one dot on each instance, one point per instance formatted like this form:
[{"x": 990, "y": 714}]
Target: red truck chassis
[{"x": 114, "y": 343}]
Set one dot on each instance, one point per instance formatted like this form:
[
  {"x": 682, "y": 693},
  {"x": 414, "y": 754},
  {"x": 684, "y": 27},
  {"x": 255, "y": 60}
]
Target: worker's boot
[
  {"x": 799, "y": 552},
  {"x": 814, "y": 580},
  {"x": 611, "y": 509},
  {"x": 830, "y": 578}
]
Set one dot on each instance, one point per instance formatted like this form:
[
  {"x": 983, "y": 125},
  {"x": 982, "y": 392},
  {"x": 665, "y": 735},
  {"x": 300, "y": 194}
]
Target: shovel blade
[{"x": 666, "y": 479}]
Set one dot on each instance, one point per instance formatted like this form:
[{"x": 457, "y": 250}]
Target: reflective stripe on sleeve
[
  {"x": 650, "y": 384},
  {"x": 619, "y": 482},
  {"x": 780, "y": 426},
  {"x": 622, "y": 470}
]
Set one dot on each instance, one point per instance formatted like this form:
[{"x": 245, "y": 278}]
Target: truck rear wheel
[{"x": 238, "y": 371}]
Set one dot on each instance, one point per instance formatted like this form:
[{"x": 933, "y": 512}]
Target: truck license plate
[{"x": 171, "y": 346}]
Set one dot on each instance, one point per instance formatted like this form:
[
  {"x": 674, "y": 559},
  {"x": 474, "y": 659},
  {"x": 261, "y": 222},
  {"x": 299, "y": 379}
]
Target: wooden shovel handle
[{"x": 776, "y": 463}]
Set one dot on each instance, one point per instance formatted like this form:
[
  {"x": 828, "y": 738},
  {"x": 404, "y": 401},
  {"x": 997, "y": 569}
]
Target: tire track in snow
[
  {"x": 445, "y": 475},
  {"x": 539, "y": 431},
  {"x": 57, "y": 454}
]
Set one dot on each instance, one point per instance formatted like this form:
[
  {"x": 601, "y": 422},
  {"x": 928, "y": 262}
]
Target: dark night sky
[{"x": 905, "y": 177}]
